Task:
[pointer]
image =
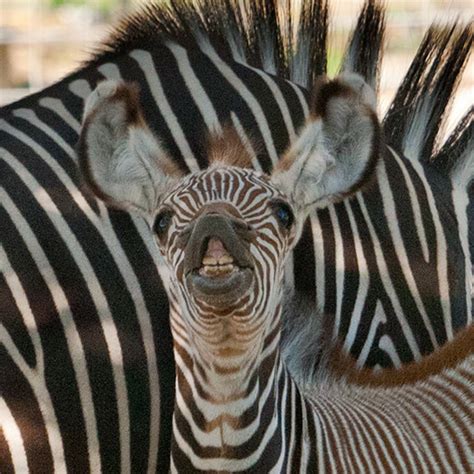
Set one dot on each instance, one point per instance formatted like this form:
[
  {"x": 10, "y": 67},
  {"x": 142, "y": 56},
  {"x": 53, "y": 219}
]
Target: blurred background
[{"x": 43, "y": 40}]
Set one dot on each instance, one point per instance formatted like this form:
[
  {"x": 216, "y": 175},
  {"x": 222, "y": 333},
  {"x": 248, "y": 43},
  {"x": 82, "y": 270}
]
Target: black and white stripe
[
  {"x": 239, "y": 407},
  {"x": 95, "y": 311}
]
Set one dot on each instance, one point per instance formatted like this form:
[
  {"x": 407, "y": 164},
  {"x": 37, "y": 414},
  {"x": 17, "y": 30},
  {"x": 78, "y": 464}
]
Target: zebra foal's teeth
[
  {"x": 225, "y": 259},
  {"x": 210, "y": 270}
]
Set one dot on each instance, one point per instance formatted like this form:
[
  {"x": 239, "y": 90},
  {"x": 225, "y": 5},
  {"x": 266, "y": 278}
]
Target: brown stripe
[
  {"x": 447, "y": 357},
  {"x": 382, "y": 424}
]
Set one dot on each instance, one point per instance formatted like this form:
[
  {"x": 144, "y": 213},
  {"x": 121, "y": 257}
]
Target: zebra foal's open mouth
[{"x": 218, "y": 263}]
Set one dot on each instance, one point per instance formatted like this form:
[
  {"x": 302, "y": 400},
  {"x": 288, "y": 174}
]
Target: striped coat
[
  {"x": 79, "y": 283},
  {"x": 244, "y": 404}
]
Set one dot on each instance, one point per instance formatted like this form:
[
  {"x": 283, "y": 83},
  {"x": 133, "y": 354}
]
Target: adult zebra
[{"x": 86, "y": 360}]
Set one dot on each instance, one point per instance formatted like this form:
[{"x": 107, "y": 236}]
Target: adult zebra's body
[
  {"x": 79, "y": 284},
  {"x": 224, "y": 234}
]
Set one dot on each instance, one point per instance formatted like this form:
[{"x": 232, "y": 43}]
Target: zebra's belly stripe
[
  {"x": 133, "y": 286},
  {"x": 246, "y": 141},
  {"x": 31, "y": 117},
  {"x": 363, "y": 288},
  {"x": 302, "y": 100},
  {"x": 441, "y": 252},
  {"x": 460, "y": 202},
  {"x": 56, "y": 106},
  {"x": 250, "y": 100},
  {"x": 283, "y": 106},
  {"x": 195, "y": 88},
  {"x": 399, "y": 246}
]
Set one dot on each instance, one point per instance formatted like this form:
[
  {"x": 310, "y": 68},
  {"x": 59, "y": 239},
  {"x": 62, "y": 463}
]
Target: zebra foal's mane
[
  {"x": 306, "y": 339},
  {"x": 226, "y": 147}
]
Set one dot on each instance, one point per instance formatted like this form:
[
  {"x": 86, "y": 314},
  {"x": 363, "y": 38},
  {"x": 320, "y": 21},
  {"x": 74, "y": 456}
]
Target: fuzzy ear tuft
[
  {"x": 120, "y": 159},
  {"x": 337, "y": 149},
  {"x": 226, "y": 147}
]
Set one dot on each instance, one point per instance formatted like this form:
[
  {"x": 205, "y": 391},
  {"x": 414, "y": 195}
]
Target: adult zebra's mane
[
  {"x": 289, "y": 39},
  {"x": 281, "y": 38},
  {"x": 415, "y": 121}
]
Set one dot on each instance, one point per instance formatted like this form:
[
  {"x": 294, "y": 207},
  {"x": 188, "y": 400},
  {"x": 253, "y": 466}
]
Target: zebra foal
[{"x": 224, "y": 234}]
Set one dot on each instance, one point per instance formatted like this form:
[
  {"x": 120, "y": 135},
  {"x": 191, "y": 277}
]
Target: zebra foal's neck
[
  {"x": 275, "y": 425},
  {"x": 224, "y": 235}
]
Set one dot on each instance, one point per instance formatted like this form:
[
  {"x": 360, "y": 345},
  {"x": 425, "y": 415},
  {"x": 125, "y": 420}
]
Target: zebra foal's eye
[
  {"x": 162, "y": 222},
  {"x": 283, "y": 213}
]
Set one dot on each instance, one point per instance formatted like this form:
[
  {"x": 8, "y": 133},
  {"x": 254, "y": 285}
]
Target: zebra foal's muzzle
[{"x": 218, "y": 265}]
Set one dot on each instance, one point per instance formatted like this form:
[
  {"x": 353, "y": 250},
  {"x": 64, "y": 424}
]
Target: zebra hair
[
  {"x": 415, "y": 119},
  {"x": 263, "y": 34},
  {"x": 456, "y": 157},
  {"x": 365, "y": 48},
  {"x": 306, "y": 339},
  {"x": 226, "y": 147},
  {"x": 82, "y": 270},
  {"x": 225, "y": 234},
  {"x": 307, "y": 41},
  {"x": 265, "y": 39}
]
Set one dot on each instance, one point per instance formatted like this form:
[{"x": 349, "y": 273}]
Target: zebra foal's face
[{"x": 225, "y": 232}]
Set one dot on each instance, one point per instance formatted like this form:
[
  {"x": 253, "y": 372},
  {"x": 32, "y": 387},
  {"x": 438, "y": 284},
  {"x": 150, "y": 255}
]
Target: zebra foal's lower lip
[{"x": 221, "y": 289}]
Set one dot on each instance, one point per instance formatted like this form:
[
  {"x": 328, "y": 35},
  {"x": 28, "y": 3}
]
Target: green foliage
[
  {"x": 335, "y": 57},
  {"x": 103, "y": 6}
]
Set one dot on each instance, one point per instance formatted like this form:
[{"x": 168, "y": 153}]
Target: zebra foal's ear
[
  {"x": 121, "y": 161},
  {"x": 336, "y": 151}
]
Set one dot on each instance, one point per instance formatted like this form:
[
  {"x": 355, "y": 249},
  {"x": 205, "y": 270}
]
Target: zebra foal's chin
[{"x": 224, "y": 235}]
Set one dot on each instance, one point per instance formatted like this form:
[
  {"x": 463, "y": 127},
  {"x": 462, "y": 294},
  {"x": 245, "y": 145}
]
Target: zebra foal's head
[{"x": 225, "y": 232}]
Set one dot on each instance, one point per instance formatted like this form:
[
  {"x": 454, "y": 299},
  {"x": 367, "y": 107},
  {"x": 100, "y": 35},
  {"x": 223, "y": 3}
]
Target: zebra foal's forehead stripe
[{"x": 246, "y": 190}]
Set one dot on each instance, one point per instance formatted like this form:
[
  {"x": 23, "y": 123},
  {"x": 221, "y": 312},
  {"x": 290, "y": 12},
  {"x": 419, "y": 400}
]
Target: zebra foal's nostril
[{"x": 243, "y": 229}]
